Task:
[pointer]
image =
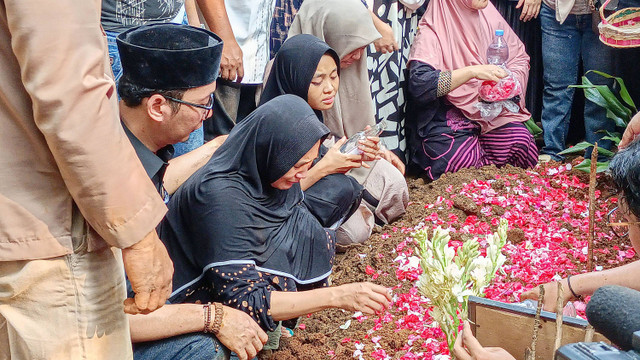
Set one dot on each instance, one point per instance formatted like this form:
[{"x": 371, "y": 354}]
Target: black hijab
[
  {"x": 294, "y": 66},
  {"x": 228, "y": 213}
]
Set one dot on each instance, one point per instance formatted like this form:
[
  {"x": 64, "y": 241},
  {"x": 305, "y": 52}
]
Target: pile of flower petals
[{"x": 553, "y": 227}]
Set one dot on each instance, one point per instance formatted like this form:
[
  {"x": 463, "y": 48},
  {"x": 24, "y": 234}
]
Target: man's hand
[
  {"x": 241, "y": 334},
  {"x": 475, "y": 351},
  {"x": 631, "y": 132},
  {"x": 150, "y": 272},
  {"x": 530, "y": 10},
  {"x": 387, "y": 43},
  {"x": 231, "y": 67}
]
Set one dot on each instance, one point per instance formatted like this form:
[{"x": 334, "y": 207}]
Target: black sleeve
[
  {"x": 242, "y": 287},
  {"x": 423, "y": 82}
]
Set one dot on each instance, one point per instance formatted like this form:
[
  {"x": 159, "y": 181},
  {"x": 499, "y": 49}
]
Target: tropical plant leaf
[
  {"x": 615, "y": 139},
  {"x": 613, "y": 134},
  {"x": 605, "y": 152},
  {"x": 579, "y": 147},
  {"x": 604, "y": 93},
  {"x": 585, "y": 166},
  {"x": 591, "y": 94},
  {"x": 624, "y": 93},
  {"x": 620, "y": 122},
  {"x": 533, "y": 128}
]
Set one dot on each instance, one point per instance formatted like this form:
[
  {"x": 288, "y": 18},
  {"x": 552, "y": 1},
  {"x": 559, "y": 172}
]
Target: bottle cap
[{"x": 499, "y": 32}]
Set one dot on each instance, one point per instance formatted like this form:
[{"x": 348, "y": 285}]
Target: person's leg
[
  {"x": 196, "y": 139},
  {"x": 560, "y": 56},
  {"x": 332, "y": 198},
  {"x": 510, "y": 144},
  {"x": 228, "y": 95},
  {"x": 387, "y": 193},
  {"x": 451, "y": 144},
  {"x": 248, "y": 101},
  {"x": 68, "y": 307},
  {"x": 596, "y": 56},
  {"x": 183, "y": 347},
  {"x": 357, "y": 228}
]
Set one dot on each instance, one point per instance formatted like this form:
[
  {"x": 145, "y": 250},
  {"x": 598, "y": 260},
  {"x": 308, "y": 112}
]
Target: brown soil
[{"x": 322, "y": 332}]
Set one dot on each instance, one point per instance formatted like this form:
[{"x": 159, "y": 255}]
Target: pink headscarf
[{"x": 452, "y": 35}]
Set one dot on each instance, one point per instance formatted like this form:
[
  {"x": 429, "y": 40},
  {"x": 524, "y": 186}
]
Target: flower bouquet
[{"x": 450, "y": 275}]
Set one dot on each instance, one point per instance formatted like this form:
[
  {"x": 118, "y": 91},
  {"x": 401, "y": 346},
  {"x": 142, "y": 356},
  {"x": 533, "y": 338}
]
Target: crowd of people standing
[{"x": 198, "y": 146}]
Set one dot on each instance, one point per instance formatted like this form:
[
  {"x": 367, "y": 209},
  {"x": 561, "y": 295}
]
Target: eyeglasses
[
  {"x": 618, "y": 223},
  {"x": 208, "y": 106}
]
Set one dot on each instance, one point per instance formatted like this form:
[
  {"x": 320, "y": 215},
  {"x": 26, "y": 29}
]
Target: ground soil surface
[{"x": 321, "y": 336}]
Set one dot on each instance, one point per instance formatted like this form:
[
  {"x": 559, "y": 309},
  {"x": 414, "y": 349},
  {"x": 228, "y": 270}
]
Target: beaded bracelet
[
  {"x": 579, "y": 297},
  {"x": 444, "y": 83},
  {"x": 217, "y": 322},
  {"x": 207, "y": 317}
]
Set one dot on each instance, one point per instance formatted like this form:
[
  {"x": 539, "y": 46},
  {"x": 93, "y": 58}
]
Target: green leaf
[
  {"x": 602, "y": 95},
  {"x": 533, "y": 128},
  {"x": 615, "y": 139},
  {"x": 579, "y": 147},
  {"x": 613, "y": 103},
  {"x": 620, "y": 122},
  {"x": 605, "y": 152},
  {"x": 591, "y": 94},
  {"x": 585, "y": 166},
  {"x": 624, "y": 94},
  {"x": 613, "y": 134}
]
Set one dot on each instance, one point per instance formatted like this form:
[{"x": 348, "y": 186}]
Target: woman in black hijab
[
  {"x": 238, "y": 231},
  {"x": 304, "y": 60},
  {"x": 307, "y": 67}
]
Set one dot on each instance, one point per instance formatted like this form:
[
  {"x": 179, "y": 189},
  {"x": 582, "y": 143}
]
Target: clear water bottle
[
  {"x": 351, "y": 146},
  {"x": 498, "y": 51}
]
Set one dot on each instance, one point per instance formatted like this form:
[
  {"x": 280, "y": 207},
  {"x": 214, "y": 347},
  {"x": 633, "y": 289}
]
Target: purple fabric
[
  {"x": 444, "y": 140},
  {"x": 456, "y": 143}
]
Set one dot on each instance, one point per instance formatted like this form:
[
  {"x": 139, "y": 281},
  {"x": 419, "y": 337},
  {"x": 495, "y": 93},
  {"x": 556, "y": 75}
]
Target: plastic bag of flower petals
[{"x": 498, "y": 95}]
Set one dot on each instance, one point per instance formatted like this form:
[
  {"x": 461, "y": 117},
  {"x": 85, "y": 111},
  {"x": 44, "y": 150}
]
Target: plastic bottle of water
[
  {"x": 498, "y": 51},
  {"x": 351, "y": 146}
]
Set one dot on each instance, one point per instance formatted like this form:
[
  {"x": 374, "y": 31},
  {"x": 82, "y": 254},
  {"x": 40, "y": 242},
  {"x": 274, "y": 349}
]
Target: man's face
[{"x": 189, "y": 118}]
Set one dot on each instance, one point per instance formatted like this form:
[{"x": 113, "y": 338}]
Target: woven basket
[{"x": 620, "y": 29}]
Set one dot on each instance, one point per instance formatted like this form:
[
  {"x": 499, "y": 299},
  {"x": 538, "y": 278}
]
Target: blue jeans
[
  {"x": 188, "y": 347},
  {"x": 114, "y": 55},
  {"x": 564, "y": 45},
  {"x": 196, "y": 139}
]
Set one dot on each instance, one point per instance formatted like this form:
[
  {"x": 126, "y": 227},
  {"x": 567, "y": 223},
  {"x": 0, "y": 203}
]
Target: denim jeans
[
  {"x": 114, "y": 55},
  {"x": 564, "y": 45},
  {"x": 196, "y": 139},
  {"x": 188, "y": 347}
]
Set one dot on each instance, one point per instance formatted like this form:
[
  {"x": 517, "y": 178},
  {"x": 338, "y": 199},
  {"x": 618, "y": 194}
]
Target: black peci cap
[{"x": 170, "y": 56}]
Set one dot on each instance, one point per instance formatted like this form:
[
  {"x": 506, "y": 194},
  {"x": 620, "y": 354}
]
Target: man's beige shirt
[{"x": 60, "y": 137}]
